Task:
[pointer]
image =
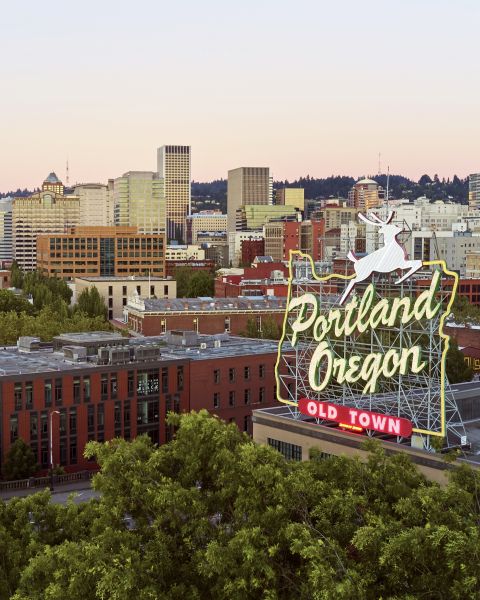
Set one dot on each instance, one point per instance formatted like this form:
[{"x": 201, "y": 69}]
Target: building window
[
  {"x": 246, "y": 396},
  {"x": 76, "y": 390},
  {"x": 165, "y": 290},
  {"x": 28, "y": 395},
  {"x": 91, "y": 418},
  {"x": 231, "y": 398},
  {"x": 195, "y": 324},
  {"x": 163, "y": 326},
  {"x": 164, "y": 380},
  {"x": 47, "y": 393},
  {"x": 44, "y": 424},
  {"x": 179, "y": 379},
  {"x": 227, "y": 324},
  {"x": 117, "y": 418},
  {"x": 58, "y": 392},
  {"x": 73, "y": 451},
  {"x": 62, "y": 423},
  {"x": 131, "y": 383},
  {"x": 246, "y": 373},
  {"x": 261, "y": 371},
  {"x": 246, "y": 423},
  {"x": 289, "y": 451},
  {"x": 113, "y": 386},
  {"x": 33, "y": 426},
  {"x": 216, "y": 376},
  {"x": 72, "y": 424},
  {"x": 86, "y": 388},
  {"x": 139, "y": 291},
  {"x": 63, "y": 452},
  {"x": 126, "y": 414},
  {"x": 216, "y": 400},
  {"x": 152, "y": 290},
  {"x": 100, "y": 417},
  {"x": 104, "y": 386},
  {"x": 124, "y": 290},
  {"x": 231, "y": 375},
  {"x": 110, "y": 290},
  {"x": 18, "y": 396}
]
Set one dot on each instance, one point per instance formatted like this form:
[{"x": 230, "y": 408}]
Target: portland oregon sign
[{"x": 365, "y": 349}]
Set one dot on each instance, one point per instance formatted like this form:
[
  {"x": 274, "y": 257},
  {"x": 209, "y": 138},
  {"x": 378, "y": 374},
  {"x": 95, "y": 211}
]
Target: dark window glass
[
  {"x": 28, "y": 395},
  {"x": 289, "y": 451},
  {"x": 246, "y": 423},
  {"x": 63, "y": 452},
  {"x": 86, "y": 388},
  {"x": 62, "y": 425},
  {"x": 44, "y": 458},
  {"x": 131, "y": 383},
  {"x": 231, "y": 375},
  {"x": 179, "y": 379},
  {"x": 73, "y": 451},
  {"x": 48, "y": 393},
  {"x": 18, "y": 396},
  {"x": 246, "y": 396},
  {"x": 216, "y": 400},
  {"x": 216, "y": 376},
  {"x": 13, "y": 428},
  {"x": 246, "y": 373},
  {"x": 113, "y": 386},
  {"x": 164, "y": 379},
  {"x": 100, "y": 417},
  {"x": 33, "y": 426},
  {"x": 104, "y": 386},
  {"x": 76, "y": 390},
  {"x": 73, "y": 421},
  {"x": 126, "y": 414},
  {"x": 58, "y": 392},
  {"x": 231, "y": 398},
  {"x": 261, "y": 371},
  {"x": 261, "y": 394},
  {"x": 44, "y": 424},
  {"x": 91, "y": 418},
  {"x": 117, "y": 417}
]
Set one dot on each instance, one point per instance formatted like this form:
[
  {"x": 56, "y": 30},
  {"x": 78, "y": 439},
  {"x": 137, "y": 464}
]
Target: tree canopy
[
  {"x": 91, "y": 303},
  {"x": 20, "y": 461},
  {"x": 212, "y": 515},
  {"x": 192, "y": 283}
]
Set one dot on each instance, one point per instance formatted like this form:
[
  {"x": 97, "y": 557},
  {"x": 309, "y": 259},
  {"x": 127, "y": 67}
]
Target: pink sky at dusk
[{"x": 315, "y": 88}]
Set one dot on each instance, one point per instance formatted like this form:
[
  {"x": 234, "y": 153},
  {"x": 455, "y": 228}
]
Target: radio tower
[
  {"x": 379, "y": 163},
  {"x": 67, "y": 180}
]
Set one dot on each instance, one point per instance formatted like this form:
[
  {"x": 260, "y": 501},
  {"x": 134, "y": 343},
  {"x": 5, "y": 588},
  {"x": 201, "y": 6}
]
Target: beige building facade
[
  {"x": 42, "y": 213},
  {"x": 205, "y": 221},
  {"x": 291, "y": 197},
  {"x": 174, "y": 167},
  {"x": 247, "y": 185},
  {"x": 116, "y": 291},
  {"x": 96, "y": 204}
]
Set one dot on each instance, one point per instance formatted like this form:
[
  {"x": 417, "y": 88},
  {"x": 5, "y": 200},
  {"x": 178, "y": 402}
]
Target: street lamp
[{"x": 51, "y": 438}]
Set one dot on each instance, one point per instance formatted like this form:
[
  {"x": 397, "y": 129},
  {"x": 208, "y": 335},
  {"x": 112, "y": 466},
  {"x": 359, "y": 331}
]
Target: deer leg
[
  {"x": 413, "y": 269},
  {"x": 347, "y": 291}
]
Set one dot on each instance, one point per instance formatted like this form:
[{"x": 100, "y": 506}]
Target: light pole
[{"x": 51, "y": 438}]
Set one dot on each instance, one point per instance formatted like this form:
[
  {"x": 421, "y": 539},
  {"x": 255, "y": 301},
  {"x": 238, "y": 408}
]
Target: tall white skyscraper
[{"x": 174, "y": 167}]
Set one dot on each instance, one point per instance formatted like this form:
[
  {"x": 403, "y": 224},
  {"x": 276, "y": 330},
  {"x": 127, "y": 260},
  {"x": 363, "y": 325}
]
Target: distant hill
[{"x": 208, "y": 195}]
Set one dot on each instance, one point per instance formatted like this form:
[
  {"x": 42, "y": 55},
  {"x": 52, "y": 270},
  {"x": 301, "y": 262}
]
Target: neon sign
[
  {"x": 355, "y": 419},
  {"x": 357, "y": 317},
  {"x": 366, "y": 341}
]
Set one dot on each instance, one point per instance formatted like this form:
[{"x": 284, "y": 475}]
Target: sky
[{"x": 305, "y": 87}]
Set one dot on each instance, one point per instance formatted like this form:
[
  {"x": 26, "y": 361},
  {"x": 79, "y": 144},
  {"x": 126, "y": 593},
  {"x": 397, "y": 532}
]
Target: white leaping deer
[{"x": 391, "y": 257}]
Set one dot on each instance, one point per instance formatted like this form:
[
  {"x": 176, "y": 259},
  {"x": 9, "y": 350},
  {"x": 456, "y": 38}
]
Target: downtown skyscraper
[{"x": 174, "y": 167}]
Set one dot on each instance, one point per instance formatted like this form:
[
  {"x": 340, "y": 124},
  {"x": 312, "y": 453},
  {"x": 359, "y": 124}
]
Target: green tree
[
  {"x": 456, "y": 367},
  {"x": 201, "y": 284},
  {"x": 91, "y": 303},
  {"x": 271, "y": 330},
  {"x": 11, "y": 302},
  {"x": 20, "y": 461},
  {"x": 16, "y": 275}
]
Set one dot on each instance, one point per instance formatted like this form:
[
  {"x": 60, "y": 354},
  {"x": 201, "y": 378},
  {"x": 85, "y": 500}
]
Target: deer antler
[
  {"x": 365, "y": 219},
  {"x": 374, "y": 216}
]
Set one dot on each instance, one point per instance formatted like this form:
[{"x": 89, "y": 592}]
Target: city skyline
[{"x": 315, "y": 89}]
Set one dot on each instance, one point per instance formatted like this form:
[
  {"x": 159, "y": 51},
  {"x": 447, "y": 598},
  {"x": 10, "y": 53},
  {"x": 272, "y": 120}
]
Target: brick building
[
  {"x": 283, "y": 236},
  {"x": 467, "y": 288},
  {"x": 261, "y": 279},
  {"x": 97, "y": 386},
  {"x": 203, "y": 315},
  {"x": 101, "y": 252},
  {"x": 250, "y": 249}
]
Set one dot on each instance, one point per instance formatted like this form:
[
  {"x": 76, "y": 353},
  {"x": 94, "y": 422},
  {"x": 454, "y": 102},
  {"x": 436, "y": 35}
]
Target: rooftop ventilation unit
[
  {"x": 26, "y": 343},
  {"x": 147, "y": 353},
  {"x": 75, "y": 353}
]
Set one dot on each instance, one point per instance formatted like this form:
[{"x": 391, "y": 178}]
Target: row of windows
[
  {"x": 247, "y": 397},
  {"x": 232, "y": 374},
  {"x": 289, "y": 451},
  {"x": 148, "y": 382}
]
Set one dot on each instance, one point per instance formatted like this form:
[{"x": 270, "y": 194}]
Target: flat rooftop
[
  {"x": 125, "y": 278},
  {"x": 211, "y": 304},
  {"x": 50, "y": 358}
]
